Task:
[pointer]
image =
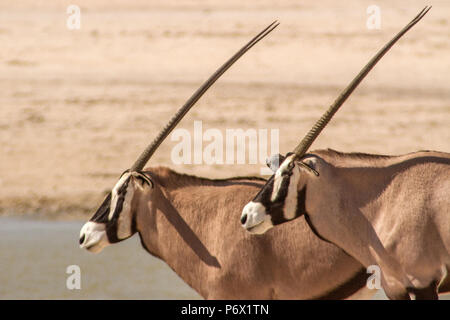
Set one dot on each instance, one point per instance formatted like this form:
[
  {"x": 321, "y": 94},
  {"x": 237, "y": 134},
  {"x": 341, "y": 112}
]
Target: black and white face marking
[
  {"x": 278, "y": 201},
  {"x": 114, "y": 221}
]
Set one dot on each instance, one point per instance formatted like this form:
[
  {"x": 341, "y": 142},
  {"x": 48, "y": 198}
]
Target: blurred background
[{"x": 78, "y": 106}]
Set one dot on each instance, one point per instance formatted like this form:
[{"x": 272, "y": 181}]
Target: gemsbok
[
  {"x": 189, "y": 223},
  {"x": 390, "y": 211},
  {"x": 108, "y": 224}
]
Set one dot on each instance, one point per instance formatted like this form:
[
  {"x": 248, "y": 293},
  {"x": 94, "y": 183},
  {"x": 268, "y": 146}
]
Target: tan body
[
  {"x": 406, "y": 199},
  {"x": 191, "y": 223},
  {"x": 339, "y": 212}
]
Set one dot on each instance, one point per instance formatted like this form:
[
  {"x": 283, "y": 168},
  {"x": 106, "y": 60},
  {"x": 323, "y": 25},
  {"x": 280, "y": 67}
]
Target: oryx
[
  {"x": 108, "y": 225},
  {"x": 348, "y": 200},
  {"x": 188, "y": 222}
]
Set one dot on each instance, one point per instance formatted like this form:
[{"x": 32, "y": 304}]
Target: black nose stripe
[
  {"x": 265, "y": 193},
  {"x": 283, "y": 190},
  {"x": 82, "y": 239},
  {"x": 101, "y": 215}
]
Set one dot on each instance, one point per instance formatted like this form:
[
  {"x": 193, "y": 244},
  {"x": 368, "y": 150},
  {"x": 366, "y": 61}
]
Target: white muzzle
[
  {"x": 93, "y": 237},
  {"x": 255, "y": 219}
]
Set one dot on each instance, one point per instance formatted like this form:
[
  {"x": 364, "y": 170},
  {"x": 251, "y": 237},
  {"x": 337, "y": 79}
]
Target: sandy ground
[{"x": 78, "y": 106}]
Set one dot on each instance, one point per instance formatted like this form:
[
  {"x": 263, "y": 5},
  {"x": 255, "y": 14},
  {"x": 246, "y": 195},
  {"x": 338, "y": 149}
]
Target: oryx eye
[
  {"x": 142, "y": 180},
  {"x": 288, "y": 170},
  {"x": 291, "y": 165}
]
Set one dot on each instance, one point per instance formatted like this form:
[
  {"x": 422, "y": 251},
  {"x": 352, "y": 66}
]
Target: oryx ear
[
  {"x": 274, "y": 161},
  {"x": 310, "y": 164},
  {"x": 143, "y": 179}
]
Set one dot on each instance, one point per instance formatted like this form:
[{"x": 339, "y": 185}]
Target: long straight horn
[
  {"x": 304, "y": 145},
  {"x": 148, "y": 152}
]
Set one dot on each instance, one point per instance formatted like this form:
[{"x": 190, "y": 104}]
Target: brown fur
[
  {"x": 405, "y": 198},
  {"x": 193, "y": 225}
]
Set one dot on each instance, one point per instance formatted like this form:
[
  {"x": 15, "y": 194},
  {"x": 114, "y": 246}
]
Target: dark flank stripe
[
  {"x": 301, "y": 210},
  {"x": 348, "y": 288},
  {"x": 314, "y": 230}
]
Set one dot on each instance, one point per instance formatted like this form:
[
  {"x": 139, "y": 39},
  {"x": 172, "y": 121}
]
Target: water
[{"x": 34, "y": 256}]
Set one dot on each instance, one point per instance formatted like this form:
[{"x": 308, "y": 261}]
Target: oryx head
[
  {"x": 284, "y": 195},
  {"x": 115, "y": 220}
]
